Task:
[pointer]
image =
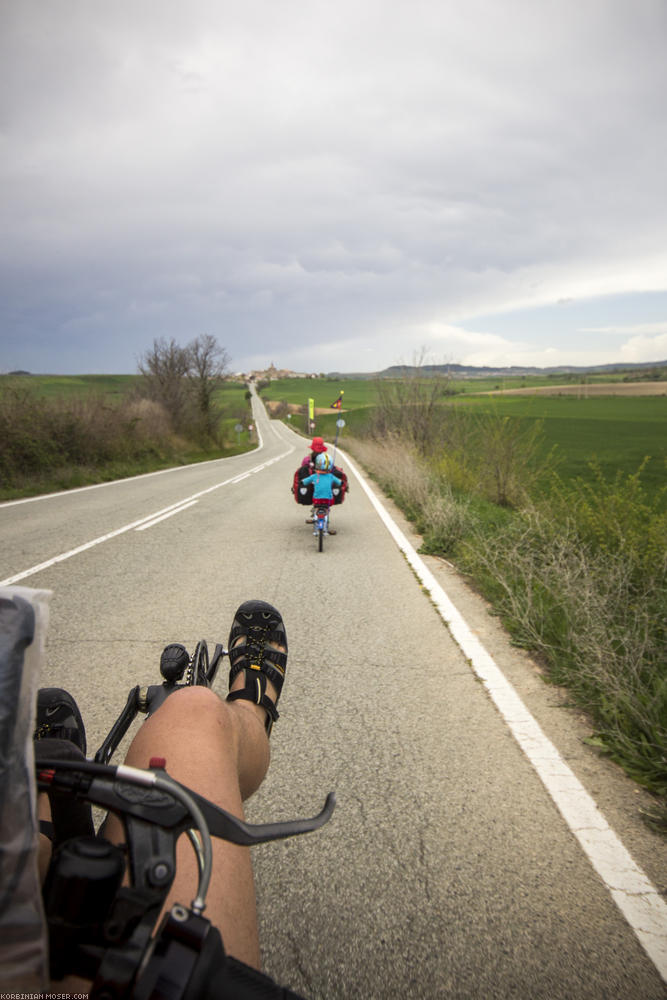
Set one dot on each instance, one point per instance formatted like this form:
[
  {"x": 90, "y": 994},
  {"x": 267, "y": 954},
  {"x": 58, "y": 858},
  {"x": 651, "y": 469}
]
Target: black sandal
[{"x": 261, "y": 625}]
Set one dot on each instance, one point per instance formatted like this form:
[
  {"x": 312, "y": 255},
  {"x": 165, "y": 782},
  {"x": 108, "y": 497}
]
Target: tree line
[{"x": 173, "y": 413}]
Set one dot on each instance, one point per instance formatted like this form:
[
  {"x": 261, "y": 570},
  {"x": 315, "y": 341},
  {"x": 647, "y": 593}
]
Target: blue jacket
[{"x": 323, "y": 481}]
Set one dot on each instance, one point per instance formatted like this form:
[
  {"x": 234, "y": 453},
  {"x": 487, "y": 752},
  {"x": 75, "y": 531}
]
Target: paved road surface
[{"x": 447, "y": 870}]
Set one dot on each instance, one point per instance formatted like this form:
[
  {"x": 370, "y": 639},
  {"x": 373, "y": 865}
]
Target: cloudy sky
[{"x": 333, "y": 186}]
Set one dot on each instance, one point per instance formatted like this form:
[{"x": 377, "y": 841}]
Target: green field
[
  {"x": 357, "y": 392},
  {"x": 359, "y": 396},
  {"x": 53, "y": 386},
  {"x": 114, "y": 387},
  {"x": 617, "y": 432}
]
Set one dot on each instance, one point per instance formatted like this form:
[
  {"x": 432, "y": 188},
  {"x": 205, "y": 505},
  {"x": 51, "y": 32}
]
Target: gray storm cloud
[{"x": 345, "y": 180}]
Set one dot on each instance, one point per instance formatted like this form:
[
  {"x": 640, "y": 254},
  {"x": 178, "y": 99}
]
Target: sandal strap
[
  {"x": 255, "y": 691},
  {"x": 254, "y": 655}
]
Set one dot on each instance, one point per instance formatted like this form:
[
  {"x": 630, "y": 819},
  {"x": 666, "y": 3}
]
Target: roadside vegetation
[
  {"x": 556, "y": 509},
  {"x": 60, "y": 432}
]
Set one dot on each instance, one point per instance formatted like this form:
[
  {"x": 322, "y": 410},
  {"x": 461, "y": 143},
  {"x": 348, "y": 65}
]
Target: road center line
[
  {"x": 636, "y": 897},
  {"x": 163, "y": 517},
  {"x": 157, "y": 515}
]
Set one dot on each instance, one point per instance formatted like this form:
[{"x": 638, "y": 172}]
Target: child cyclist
[
  {"x": 323, "y": 481},
  {"x": 317, "y": 447}
]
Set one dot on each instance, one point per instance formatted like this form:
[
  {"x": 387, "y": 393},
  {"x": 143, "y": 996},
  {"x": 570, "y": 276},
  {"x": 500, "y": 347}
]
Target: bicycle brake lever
[
  {"x": 103, "y": 786},
  {"x": 222, "y": 824}
]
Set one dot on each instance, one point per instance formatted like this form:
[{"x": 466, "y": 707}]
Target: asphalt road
[{"x": 447, "y": 870}]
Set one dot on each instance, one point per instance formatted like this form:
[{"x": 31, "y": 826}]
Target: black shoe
[
  {"x": 60, "y": 735},
  {"x": 58, "y": 717}
]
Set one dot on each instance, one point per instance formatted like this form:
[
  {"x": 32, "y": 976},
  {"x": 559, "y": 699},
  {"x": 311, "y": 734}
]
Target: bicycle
[
  {"x": 321, "y": 523},
  {"x": 103, "y": 930}
]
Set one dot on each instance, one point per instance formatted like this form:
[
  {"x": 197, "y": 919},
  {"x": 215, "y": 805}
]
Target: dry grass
[{"x": 581, "y": 581}]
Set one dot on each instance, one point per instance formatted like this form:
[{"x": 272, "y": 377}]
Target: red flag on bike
[{"x": 339, "y": 402}]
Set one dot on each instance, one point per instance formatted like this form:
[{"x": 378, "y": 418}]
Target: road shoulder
[{"x": 621, "y": 800}]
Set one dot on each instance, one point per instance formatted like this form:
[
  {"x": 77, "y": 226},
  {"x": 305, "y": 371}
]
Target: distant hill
[{"x": 470, "y": 371}]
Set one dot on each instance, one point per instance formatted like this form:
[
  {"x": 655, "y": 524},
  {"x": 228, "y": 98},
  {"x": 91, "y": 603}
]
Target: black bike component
[
  {"x": 221, "y": 977},
  {"x": 120, "y": 727},
  {"x": 199, "y": 666},
  {"x": 218, "y": 654},
  {"x": 128, "y": 929},
  {"x": 178, "y": 948},
  {"x": 189, "y": 960},
  {"x": 83, "y": 879},
  {"x": 174, "y": 662}
]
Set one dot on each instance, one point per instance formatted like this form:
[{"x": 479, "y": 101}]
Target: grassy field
[
  {"x": 359, "y": 396},
  {"x": 58, "y": 386},
  {"x": 112, "y": 387},
  {"x": 617, "y": 432},
  {"x": 357, "y": 392}
]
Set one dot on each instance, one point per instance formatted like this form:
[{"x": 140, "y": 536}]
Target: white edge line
[
  {"x": 636, "y": 897},
  {"x": 128, "y": 527},
  {"x": 163, "y": 517}
]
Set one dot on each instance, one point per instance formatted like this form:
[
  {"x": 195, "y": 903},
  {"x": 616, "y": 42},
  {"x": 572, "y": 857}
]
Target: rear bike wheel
[{"x": 320, "y": 540}]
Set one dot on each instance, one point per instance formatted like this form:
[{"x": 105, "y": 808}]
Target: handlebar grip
[
  {"x": 241, "y": 982},
  {"x": 221, "y": 977}
]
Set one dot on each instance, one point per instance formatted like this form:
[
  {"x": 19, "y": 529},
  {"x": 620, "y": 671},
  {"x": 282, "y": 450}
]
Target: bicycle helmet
[{"x": 323, "y": 462}]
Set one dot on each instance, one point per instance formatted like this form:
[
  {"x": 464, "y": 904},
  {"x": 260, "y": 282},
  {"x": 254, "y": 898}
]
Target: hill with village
[{"x": 643, "y": 370}]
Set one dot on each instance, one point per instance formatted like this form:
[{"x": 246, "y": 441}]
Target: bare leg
[
  {"x": 220, "y": 750},
  {"x": 45, "y": 847}
]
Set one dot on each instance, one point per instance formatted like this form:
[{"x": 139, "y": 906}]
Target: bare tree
[
  {"x": 165, "y": 367},
  {"x": 184, "y": 381},
  {"x": 207, "y": 366},
  {"x": 411, "y": 406}
]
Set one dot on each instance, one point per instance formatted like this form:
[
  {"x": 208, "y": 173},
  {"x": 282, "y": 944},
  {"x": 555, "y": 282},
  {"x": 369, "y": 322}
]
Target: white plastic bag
[{"x": 23, "y": 936}]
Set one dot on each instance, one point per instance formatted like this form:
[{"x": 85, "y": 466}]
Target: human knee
[{"x": 197, "y": 710}]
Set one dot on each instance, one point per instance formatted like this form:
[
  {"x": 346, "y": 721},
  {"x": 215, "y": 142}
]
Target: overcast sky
[{"x": 333, "y": 186}]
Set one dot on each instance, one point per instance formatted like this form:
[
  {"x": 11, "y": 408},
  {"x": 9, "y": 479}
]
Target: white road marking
[
  {"x": 113, "y": 482},
  {"x": 636, "y": 897},
  {"x": 147, "y": 521},
  {"x": 163, "y": 517}
]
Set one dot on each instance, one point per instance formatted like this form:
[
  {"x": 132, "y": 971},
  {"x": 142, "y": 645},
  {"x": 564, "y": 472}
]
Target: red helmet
[{"x": 318, "y": 445}]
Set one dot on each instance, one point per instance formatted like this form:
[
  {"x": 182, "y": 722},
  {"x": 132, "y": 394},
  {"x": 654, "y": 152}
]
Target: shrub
[
  {"x": 39, "y": 436},
  {"x": 599, "y": 626}
]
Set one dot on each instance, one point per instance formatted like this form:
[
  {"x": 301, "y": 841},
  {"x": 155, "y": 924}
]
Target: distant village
[{"x": 270, "y": 374}]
